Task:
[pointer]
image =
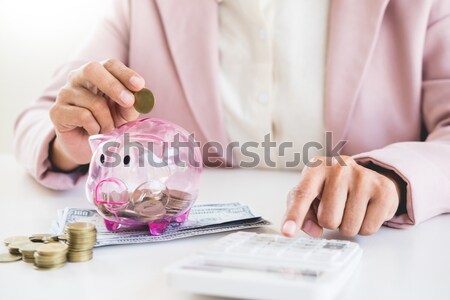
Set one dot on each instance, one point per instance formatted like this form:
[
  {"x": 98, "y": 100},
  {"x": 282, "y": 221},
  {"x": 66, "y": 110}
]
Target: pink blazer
[{"x": 387, "y": 85}]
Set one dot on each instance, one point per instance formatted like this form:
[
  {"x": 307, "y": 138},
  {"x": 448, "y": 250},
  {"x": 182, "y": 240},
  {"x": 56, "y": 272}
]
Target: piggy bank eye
[
  {"x": 126, "y": 160},
  {"x": 102, "y": 159}
]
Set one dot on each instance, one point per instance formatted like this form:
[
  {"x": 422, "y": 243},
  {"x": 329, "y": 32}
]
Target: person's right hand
[{"x": 96, "y": 99}]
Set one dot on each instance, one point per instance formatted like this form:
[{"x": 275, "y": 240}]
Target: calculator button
[
  {"x": 321, "y": 257},
  {"x": 296, "y": 254},
  {"x": 242, "y": 250},
  {"x": 334, "y": 245},
  {"x": 272, "y": 249}
]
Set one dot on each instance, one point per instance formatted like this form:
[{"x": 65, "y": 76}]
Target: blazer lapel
[
  {"x": 192, "y": 34},
  {"x": 353, "y": 30}
]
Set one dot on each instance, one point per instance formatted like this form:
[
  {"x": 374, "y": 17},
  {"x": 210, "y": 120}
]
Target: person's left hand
[{"x": 350, "y": 197}]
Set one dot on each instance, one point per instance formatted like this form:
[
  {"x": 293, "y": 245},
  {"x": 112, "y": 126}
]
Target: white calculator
[{"x": 248, "y": 265}]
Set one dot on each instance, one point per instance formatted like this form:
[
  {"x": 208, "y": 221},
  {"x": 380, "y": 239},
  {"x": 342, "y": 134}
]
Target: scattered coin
[
  {"x": 49, "y": 252},
  {"x": 14, "y": 247},
  {"x": 62, "y": 237},
  {"x": 40, "y": 238},
  {"x": 140, "y": 195},
  {"x": 13, "y": 239},
  {"x": 144, "y": 101},
  {"x": 150, "y": 210},
  {"x": 8, "y": 257}
]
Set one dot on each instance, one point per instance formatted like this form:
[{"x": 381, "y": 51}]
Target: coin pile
[
  {"x": 178, "y": 201},
  {"x": 82, "y": 237},
  {"x": 50, "y": 256},
  {"x": 48, "y": 252},
  {"x": 144, "y": 101},
  {"x": 28, "y": 250},
  {"x": 150, "y": 205}
]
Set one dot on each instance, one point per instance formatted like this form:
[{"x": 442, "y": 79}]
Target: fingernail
[
  {"x": 307, "y": 226},
  {"x": 138, "y": 83},
  {"x": 127, "y": 98},
  {"x": 290, "y": 228}
]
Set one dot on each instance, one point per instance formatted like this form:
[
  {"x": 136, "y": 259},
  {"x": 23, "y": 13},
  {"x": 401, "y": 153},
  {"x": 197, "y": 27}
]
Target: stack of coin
[
  {"x": 28, "y": 249},
  {"x": 178, "y": 201},
  {"x": 50, "y": 256},
  {"x": 82, "y": 237}
]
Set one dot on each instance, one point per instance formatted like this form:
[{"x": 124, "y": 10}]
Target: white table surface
[{"x": 397, "y": 264}]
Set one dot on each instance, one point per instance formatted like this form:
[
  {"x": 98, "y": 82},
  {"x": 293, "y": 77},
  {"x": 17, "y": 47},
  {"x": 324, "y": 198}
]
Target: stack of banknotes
[{"x": 203, "y": 219}]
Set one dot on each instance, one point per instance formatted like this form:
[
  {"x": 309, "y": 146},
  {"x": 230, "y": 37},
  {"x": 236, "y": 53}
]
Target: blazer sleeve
[
  {"x": 425, "y": 166},
  {"x": 33, "y": 130}
]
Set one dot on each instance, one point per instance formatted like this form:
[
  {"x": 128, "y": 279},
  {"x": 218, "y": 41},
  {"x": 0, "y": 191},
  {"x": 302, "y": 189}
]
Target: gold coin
[
  {"x": 28, "y": 259},
  {"x": 80, "y": 256},
  {"x": 49, "y": 261},
  {"x": 144, "y": 101},
  {"x": 8, "y": 257},
  {"x": 14, "y": 239},
  {"x": 62, "y": 237},
  {"x": 127, "y": 213},
  {"x": 29, "y": 247},
  {"x": 82, "y": 248},
  {"x": 81, "y": 226},
  {"x": 51, "y": 249},
  {"x": 150, "y": 208},
  {"x": 14, "y": 247},
  {"x": 140, "y": 195},
  {"x": 180, "y": 195},
  {"x": 40, "y": 237}
]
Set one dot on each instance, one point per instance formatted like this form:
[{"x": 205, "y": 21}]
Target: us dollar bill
[{"x": 203, "y": 219}]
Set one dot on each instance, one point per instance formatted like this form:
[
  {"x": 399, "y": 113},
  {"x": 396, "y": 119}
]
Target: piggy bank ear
[{"x": 96, "y": 140}]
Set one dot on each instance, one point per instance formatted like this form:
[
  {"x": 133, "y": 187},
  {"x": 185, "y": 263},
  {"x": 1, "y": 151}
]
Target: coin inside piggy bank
[{"x": 145, "y": 173}]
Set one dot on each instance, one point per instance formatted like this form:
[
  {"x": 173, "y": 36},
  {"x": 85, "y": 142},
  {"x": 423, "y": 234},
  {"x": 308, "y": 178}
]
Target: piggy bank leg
[
  {"x": 111, "y": 226},
  {"x": 182, "y": 218},
  {"x": 158, "y": 228}
]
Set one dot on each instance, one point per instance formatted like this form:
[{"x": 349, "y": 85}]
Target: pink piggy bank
[{"x": 145, "y": 173}]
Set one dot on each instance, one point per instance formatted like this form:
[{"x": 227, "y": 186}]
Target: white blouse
[{"x": 272, "y": 74}]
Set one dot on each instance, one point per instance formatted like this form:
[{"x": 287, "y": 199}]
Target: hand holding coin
[{"x": 97, "y": 98}]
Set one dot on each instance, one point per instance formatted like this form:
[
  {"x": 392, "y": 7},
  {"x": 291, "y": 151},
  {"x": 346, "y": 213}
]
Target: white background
[{"x": 35, "y": 38}]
